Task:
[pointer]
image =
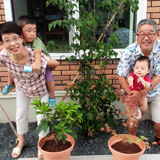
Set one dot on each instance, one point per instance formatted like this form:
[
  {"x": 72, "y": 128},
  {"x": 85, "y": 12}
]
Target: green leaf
[
  {"x": 144, "y": 138},
  {"x": 57, "y": 127},
  {"x": 59, "y": 136},
  {"x": 51, "y": 126},
  {"x": 64, "y": 137},
  {"x": 68, "y": 131},
  {"x": 44, "y": 125},
  {"x": 39, "y": 128},
  {"x": 74, "y": 134},
  {"x": 138, "y": 140}
]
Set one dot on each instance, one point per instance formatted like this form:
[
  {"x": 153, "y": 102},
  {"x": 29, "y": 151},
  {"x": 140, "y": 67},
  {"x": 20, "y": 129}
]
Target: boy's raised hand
[{"x": 36, "y": 66}]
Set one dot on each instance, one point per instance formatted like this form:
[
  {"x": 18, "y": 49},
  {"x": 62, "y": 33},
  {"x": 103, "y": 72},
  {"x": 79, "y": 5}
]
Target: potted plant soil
[
  {"x": 59, "y": 142},
  {"x": 126, "y": 147}
]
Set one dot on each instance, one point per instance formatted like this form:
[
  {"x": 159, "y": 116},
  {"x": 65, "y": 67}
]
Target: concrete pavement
[{"x": 104, "y": 157}]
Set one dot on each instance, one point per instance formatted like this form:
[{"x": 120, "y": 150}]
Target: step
[{"x": 104, "y": 157}]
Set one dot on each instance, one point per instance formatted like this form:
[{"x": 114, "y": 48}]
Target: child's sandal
[
  {"x": 52, "y": 101},
  {"x": 7, "y": 89}
]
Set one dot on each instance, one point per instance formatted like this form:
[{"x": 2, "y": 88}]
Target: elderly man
[{"x": 147, "y": 45}]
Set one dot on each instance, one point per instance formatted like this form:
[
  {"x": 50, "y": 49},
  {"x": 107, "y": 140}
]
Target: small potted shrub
[
  {"x": 119, "y": 143},
  {"x": 59, "y": 142},
  {"x": 126, "y": 146}
]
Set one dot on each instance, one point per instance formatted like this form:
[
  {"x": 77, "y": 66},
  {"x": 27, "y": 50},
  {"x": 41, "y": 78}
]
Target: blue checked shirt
[{"x": 131, "y": 53}]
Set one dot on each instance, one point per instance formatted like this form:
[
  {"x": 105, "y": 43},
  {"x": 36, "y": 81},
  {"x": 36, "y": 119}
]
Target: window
[
  {"x": 43, "y": 16},
  {"x": 126, "y": 33},
  {"x": 37, "y": 9}
]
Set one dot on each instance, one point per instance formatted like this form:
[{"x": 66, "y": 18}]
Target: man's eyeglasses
[
  {"x": 14, "y": 39},
  {"x": 149, "y": 35}
]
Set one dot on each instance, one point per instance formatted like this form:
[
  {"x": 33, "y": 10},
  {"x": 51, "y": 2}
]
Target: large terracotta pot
[
  {"x": 123, "y": 156},
  {"x": 62, "y": 155}
]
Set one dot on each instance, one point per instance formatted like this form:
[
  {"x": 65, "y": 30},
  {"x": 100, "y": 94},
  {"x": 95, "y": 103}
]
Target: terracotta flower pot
[
  {"x": 62, "y": 155},
  {"x": 123, "y": 156}
]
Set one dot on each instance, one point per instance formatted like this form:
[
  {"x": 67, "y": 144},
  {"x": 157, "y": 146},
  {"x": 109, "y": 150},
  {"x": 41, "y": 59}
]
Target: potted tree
[
  {"x": 129, "y": 143},
  {"x": 126, "y": 146},
  {"x": 92, "y": 46},
  {"x": 59, "y": 142}
]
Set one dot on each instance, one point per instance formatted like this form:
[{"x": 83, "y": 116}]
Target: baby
[{"x": 139, "y": 79}]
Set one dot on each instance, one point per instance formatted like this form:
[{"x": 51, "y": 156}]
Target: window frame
[{"x": 141, "y": 14}]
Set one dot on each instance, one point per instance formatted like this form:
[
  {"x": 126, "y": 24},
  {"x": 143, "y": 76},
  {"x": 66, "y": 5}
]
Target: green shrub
[{"x": 92, "y": 90}]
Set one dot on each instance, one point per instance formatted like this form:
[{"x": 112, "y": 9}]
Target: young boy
[
  {"x": 140, "y": 79},
  {"x": 31, "y": 40}
]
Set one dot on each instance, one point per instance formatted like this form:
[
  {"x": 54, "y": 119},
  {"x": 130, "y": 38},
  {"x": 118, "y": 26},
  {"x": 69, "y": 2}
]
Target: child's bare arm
[
  {"x": 52, "y": 64},
  {"x": 130, "y": 81},
  {"x": 36, "y": 65},
  {"x": 145, "y": 84}
]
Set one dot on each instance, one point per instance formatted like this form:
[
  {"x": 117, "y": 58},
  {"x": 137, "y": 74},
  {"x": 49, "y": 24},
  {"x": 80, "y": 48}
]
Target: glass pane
[
  {"x": 126, "y": 33},
  {"x": 126, "y": 20},
  {"x": 43, "y": 16}
]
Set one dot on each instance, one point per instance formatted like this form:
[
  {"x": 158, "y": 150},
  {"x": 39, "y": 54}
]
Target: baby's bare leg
[{"x": 143, "y": 105}]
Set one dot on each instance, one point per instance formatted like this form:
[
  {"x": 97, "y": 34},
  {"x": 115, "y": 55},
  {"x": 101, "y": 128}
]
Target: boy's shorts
[
  {"x": 49, "y": 76},
  {"x": 154, "y": 104}
]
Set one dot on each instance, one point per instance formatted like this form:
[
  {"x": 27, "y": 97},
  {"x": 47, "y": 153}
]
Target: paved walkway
[{"x": 104, "y": 157}]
